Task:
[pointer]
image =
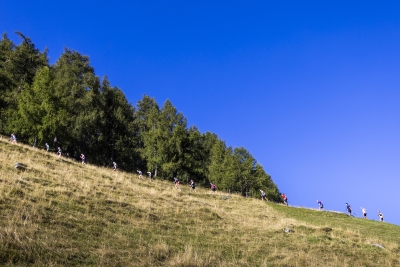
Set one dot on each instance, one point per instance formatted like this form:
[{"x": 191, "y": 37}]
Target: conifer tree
[
  {"x": 18, "y": 67},
  {"x": 6, "y": 83},
  {"x": 118, "y": 132},
  {"x": 77, "y": 89},
  {"x": 148, "y": 122},
  {"x": 37, "y": 109},
  {"x": 216, "y": 168},
  {"x": 172, "y": 125}
]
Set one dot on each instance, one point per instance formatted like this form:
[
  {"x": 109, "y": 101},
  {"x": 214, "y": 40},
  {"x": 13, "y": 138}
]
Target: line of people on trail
[
  {"x": 192, "y": 185},
  {"x": 59, "y": 152},
  {"x": 321, "y": 206},
  {"x": 350, "y": 211},
  {"x": 363, "y": 211}
]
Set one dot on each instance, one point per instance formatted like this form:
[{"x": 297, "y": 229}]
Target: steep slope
[{"x": 57, "y": 212}]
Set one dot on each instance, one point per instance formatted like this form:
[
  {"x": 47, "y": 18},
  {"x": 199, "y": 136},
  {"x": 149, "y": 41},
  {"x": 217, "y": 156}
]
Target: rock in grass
[
  {"x": 20, "y": 165},
  {"x": 288, "y": 230}
]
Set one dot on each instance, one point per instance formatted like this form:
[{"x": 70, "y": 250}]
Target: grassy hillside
[{"x": 58, "y": 212}]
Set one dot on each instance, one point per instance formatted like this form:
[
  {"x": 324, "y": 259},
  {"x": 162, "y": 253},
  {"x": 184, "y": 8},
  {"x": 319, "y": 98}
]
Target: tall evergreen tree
[
  {"x": 148, "y": 121},
  {"x": 171, "y": 141},
  {"x": 216, "y": 168},
  {"x": 37, "y": 109},
  {"x": 77, "y": 89},
  {"x": 244, "y": 165},
  {"x": 198, "y": 152},
  {"x": 119, "y": 134},
  {"x": 18, "y": 67},
  {"x": 6, "y": 83}
]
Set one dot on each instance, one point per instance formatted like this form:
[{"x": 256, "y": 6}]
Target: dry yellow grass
[{"x": 59, "y": 212}]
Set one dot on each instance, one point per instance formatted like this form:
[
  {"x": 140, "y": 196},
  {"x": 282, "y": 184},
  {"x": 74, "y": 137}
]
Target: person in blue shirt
[
  {"x": 348, "y": 208},
  {"x": 320, "y": 204}
]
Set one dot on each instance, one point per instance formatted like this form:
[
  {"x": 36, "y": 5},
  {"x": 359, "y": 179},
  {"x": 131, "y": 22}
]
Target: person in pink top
[{"x": 285, "y": 199}]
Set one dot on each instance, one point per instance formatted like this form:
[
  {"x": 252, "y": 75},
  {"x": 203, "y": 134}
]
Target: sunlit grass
[{"x": 59, "y": 212}]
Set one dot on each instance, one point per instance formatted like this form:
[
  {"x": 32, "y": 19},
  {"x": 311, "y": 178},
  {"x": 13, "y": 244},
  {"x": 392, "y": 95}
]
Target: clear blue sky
[{"x": 311, "y": 89}]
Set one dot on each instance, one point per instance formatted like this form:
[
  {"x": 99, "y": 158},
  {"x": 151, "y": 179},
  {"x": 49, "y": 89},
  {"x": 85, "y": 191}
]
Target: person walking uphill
[
  {"x": 320, "y": 205},
  {"x": 151, "y": 178},
  {"x": 285, "y": 199},
  {"x": 213, "y": 187},
  {"x": 380, "y": 216},
  {"x": 192, "y": 186},
  {"x": 263, "y": 195},
  {"x": 13, "y": 139},
  {"x": 364, "y": 212},
  {"x": 348, "y": 208},
  {"x": 83, "y": 158},
  {"x": 176, "y": 182}
]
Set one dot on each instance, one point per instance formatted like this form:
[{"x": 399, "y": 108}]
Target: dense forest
[{"x": 66, "y": 105}]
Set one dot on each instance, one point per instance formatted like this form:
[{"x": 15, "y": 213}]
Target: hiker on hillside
[
  {"x": 348, "y": 208},
  {"x": 213, "y": 187},
  {"x": 59, "y": 151},
  {"x": 83, "y": 158},
  {"x": 320, "y": 204},
  {"x": 140, "y": 174},
  {"x": 176, "y": 182},
  {"x": 380, "y": 216},
  {"x": 47, "y": 147},
  {"x": 13, "y": 138},
  {"x": 115, "y": 166},
  {"x": 263, "y": 195},
  {"x": 364, "y": 212},
  {"x": 285, "y": 199},
  {"x": 149, "y": 174},
  {"x": 192, "y": 186}
]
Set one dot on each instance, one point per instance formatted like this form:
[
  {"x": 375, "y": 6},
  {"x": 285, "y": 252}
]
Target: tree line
[{"x": 67, "y": 105}]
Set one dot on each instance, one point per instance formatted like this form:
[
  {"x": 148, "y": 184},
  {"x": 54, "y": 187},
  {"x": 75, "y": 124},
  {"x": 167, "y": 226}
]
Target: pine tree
[
  {"x": 77, "y": 89},
  {"x": 216, "y": 168},
  {"x": 172, "y": 125},
  {"x": 118, "y": 132},
  {"x": 18, "y": 67},
  {"x": 148, "y": 122},
  {"x": 37, "y": 109}
]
